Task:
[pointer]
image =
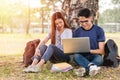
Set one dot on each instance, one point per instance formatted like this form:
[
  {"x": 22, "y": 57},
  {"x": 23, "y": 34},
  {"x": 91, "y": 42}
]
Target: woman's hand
[{"x": 37, "y": 52}]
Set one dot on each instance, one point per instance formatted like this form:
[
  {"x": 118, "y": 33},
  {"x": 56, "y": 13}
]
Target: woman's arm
[
  {"x": 68, "y": 33},
  {"x": 37, "y": 51},
  {"x": 43, "y": 42}
]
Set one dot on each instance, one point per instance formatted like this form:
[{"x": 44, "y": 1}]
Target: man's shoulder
[
  {"x": 98, "y": 27},
  {"x": 78, "y": 29}
]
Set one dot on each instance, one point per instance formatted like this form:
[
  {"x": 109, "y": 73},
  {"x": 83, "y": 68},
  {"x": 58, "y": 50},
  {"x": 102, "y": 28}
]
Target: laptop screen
[{"x": 75, "y": 45}]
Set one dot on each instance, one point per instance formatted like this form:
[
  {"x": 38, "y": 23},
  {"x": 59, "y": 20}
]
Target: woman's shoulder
[{"x": 68, "y": 29}]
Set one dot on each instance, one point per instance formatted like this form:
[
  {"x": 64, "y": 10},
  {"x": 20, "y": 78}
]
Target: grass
[{"x": 11, "y": 66}]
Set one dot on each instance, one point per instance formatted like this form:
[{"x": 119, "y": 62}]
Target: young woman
[{"x": 54, "y": 52}]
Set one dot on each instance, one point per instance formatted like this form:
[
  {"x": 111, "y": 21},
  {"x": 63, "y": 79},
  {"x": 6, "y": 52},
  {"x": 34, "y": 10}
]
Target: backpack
[
  {"x": 29, "y": 51},
  {"x": 111, "y": 54}
]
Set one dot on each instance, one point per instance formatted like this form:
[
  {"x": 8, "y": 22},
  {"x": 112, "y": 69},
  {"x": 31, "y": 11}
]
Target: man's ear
[{"x": 91, "y": 18}]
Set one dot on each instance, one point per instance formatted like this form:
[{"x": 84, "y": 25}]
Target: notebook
[
  {"x": 76, "y": 45},
  {"x": 61, "y": 67}
]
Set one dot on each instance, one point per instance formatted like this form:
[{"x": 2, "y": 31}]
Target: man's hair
[{"x": 84, "y": 12}]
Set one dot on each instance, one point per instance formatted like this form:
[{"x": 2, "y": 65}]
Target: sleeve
[
  {"x": 69, "y": 34},
  {"x": 101, "y": 35},
  {"x": 76, "y": 32}
]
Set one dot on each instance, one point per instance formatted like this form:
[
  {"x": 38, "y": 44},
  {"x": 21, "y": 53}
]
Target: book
[{"x": 61, "y": 67}]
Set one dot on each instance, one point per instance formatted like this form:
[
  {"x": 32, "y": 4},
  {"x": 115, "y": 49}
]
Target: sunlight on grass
[
  {"x": 6, "y": 71},
  {"x": 11, "y": 69},
  {"x": 11, "y": 52},
  {"x": 14, "y": 44}
]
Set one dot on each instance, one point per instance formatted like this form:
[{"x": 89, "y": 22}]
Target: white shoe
[
  {"x": 32, "y": 68},
  {"x": 93, "y": 70},
  {"x": 80, "y": 71}
]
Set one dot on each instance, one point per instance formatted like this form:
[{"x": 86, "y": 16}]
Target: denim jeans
[
  {"x": 53, "y": 54},
  {"x": 87, "y": 58}
]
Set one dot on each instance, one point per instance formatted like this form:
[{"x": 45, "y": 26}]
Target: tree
[
  {"x": 111, "y": 15},
  {"x": 116, "y": 2},
  {"x": 71, "y": 7},
  {"x": 9, "y": 12}
]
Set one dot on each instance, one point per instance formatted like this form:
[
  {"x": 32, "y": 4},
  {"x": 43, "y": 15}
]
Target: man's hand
[{"x": 118, "y": 58}]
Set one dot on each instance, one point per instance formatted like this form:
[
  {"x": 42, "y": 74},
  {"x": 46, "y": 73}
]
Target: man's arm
[{"x": 100, "y": 50}]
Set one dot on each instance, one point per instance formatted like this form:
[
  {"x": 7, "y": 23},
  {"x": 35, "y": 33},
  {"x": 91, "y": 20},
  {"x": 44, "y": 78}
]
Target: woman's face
[{"x": 59, "y": 24}]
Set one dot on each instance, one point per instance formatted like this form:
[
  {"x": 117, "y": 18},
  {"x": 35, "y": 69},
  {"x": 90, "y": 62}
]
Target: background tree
[
  {"x": 117, "y": 10},
  {"x": 111, "y": 15},
  {"x": 71, "y": 7},
  {"x": 116, "y": 2},
  {"x": 10, "y": 14}
]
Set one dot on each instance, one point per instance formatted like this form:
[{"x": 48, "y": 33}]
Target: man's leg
[
  {"x": 82, "y": 61},
  {"x": 96, "y": 60}
]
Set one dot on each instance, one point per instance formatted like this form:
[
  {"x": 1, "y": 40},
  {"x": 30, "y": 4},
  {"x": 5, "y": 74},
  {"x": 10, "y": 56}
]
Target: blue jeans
[
  {"x": 53, "y": 54},
  {"x": 86, "y": 58}
]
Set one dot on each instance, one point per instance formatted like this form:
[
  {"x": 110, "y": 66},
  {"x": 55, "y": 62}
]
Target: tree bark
[{"x": 71, "y": 8}]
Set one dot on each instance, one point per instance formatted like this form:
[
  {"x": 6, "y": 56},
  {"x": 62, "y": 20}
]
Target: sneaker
[
  {"x": 80, "y": 71},
  {"x": 93, "y": 70},
  {"x": 32, "y": 68}
]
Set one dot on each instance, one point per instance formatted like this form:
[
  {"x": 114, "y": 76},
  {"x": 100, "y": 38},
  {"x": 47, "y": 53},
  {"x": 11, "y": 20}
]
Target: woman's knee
[
  {"x": 51, "y": 46},
  {"x": 43, "y": 48}
]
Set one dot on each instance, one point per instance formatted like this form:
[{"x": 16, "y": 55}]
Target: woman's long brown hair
[{"x": 57, "y": 15}]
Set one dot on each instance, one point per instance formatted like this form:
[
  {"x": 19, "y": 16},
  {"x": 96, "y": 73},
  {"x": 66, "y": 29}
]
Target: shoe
[
  {"x": 93, "y": 70},
  {"x": 32, "y": 68},
  {"x": 80, "y": 71}
]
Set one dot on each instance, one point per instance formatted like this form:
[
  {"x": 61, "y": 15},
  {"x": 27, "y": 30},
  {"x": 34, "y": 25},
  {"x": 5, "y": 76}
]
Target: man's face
[{"x": 86, "y": 23}]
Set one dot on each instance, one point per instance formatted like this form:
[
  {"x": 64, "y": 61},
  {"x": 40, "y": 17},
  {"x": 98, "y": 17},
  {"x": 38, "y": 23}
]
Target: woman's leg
[
  {"x": 33, "y": 67},
  {"x": 46, "y": 56},
  {"x": 50, "y": 52},
  {"x": 35, "y": 58}
]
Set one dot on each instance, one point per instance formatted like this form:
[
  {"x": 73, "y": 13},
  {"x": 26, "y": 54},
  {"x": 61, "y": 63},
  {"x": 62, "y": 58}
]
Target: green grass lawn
[
  {"x": 15, "y": 43},
  {"x": 11, "y": 66}
]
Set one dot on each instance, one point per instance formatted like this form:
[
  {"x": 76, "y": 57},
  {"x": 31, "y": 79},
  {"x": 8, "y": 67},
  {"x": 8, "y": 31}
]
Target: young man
[{"x": 89, "y": 61}]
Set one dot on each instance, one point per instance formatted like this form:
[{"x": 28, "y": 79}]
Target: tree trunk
[{"x": 71, "y": 8}]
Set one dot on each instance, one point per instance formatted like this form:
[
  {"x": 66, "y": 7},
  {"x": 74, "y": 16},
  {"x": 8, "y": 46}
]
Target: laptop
[{"x": 76, "y": 45}]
